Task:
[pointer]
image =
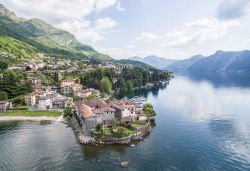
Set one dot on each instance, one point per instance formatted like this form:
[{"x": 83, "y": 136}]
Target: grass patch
[
  {"x": 31, "y": 113},
  {"x": 105, "y": 131},
  {"x": 136, "y": 125},
  {"x": 20, "y": 108},
  {"x": 118, "y": 132},
  {"x": 123, "y": 132}
]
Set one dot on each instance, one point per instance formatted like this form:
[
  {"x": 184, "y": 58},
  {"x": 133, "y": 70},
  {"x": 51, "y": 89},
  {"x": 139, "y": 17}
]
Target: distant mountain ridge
[
  {"x": 220, "y": 61},
  {"x": 183, "y": 65},
  {"x": 155, "y": 61},
  {"x": 232, "y": 61}
]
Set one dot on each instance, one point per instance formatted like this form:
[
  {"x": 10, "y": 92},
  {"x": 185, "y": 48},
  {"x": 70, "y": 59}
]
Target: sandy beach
[{"x": 24, "y": 118}]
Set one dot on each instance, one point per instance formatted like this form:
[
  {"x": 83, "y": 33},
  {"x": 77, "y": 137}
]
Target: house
[
  {"x": 76, "y": 87},
  {"x": 66, "y": 89},
  {"x": 40, "y": 64},
  {"x": 44, "y": 103},
  {"x": 5, "y": 105},
  {"x": 97, "y": 103},
  {"x": 41, "y": 89},
  {"x": 61, "y": 102},
  {"x": 35, "y": 81},
  {"x": 104, "y": 114},
  {"x": 67, "y": 85},
  {"x": 31, "y": 99},
  {"x": 53, "y": 100},
  {"x": 87, "y": 117},
  {"x": 94, "y": 112},
  {"x": 83, "y": 93},
  {"x": 125, "y": 110}
]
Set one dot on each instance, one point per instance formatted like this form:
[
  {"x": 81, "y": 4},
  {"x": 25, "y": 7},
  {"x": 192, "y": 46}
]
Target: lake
[{"x": 201, "y": 124}]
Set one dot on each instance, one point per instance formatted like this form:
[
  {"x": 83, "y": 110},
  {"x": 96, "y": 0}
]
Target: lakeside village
[{"x": 83, "y": 93}]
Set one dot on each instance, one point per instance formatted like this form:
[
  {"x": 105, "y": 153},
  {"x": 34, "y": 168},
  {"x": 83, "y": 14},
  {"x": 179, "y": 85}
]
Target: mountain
[
  {"x": 134, "y": 63},
  {"x": 232, "y": 61},
  {"x": 23, "y": 39},
  {"x": 221, "y": 61},
  {"x": 183, "y": 65},
  {"x": 155, "y": 61}
]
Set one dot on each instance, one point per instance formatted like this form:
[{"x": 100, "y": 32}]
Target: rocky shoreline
[{"x": 85, "y": 139}]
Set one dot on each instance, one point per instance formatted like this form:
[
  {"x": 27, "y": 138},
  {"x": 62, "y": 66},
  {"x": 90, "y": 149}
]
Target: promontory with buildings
[{"x": 90, "y": 96}]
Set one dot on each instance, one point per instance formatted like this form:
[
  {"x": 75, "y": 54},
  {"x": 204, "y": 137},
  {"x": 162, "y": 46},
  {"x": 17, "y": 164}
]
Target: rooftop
[
  {"x": 95, "y": 103},
  {"x": 123, "y": 104},
  {"x": 84, "y": 110}
]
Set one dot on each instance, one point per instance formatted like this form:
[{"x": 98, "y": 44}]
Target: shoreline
[
  {"x": 90, "y": 140},
  {"x": 26, "y": 118}
]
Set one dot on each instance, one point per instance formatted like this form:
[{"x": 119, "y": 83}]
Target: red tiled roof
[
  {"x": 94, "y": 103},
  {"x": 124, "y": 104},
  {"x": 103, "y": 110},
  {"x": 84, "y": 110}
]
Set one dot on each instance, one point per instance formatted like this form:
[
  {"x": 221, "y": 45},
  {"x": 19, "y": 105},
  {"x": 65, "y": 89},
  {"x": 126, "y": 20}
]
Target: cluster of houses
[
  {"x": 73, "y": 86},
  {"x": 33, "y": 64},
  {"x": 44, "y": 98},
  {"x": 47, "y": 97},
  {"x": 94, "y": 112}
]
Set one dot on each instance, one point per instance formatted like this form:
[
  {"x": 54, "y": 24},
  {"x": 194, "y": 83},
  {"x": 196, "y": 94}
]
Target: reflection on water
[
  {"x": 223, "y": 79},
  {"x": 200, "y": 125}
]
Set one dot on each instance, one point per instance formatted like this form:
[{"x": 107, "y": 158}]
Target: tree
[
  {"x": 105, "y": 85},
  {"x": 3, "y": 65},
  {"x": 130, "y": 86},
  {"x": 149, "y": 110},
  {"x": 120, "y": 132},
  {"x": 15, "y": 83},
  {"x": 67, "y": 112},
  {"x": 3, "y": 96}
]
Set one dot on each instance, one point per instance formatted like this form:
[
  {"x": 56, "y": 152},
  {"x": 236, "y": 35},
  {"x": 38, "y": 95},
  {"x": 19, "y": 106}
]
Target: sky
[{"x": 174, "y": 29}]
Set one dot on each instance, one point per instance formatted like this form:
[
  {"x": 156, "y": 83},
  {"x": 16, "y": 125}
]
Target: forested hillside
[{"x": 22, "y": 39}]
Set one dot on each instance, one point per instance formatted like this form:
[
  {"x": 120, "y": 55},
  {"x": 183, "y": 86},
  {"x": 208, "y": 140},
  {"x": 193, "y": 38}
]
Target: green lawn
[
  {"x": 126, "y": 132},
  {"x": 31, "y": 113},
  {"x": 136, "y": 125},
  {"x": 106, "y": 131}
]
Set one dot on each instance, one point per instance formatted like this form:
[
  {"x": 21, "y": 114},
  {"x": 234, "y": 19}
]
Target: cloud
[
  {"x": 147, "y": 36},
  {"x": 103, "y": 4},
  {"x": 129, "y": 46},
  {"x": 199, "y": 31},
  {"x": 127, "y": 52},
  {"x": 105, "y": 23},
  {"x": 87, "y": 31},
  {"x": 233, "y": 9},
  {"x": 117, "y": 53},
  {"x": 69, "y": 15}
]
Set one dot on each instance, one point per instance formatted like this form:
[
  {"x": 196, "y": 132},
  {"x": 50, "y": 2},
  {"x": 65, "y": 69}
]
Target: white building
[{"x": 44, "y": 103}]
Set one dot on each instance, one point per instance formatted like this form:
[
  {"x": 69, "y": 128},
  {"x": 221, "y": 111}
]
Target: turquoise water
[{"x": 199, "y": 126}]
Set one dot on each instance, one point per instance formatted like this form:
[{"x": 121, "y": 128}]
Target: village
[{"x": 96, "y": 115}]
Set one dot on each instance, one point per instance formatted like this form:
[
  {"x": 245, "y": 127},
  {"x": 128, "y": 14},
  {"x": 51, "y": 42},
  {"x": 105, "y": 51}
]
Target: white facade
[{"x": 45, "y": 103}]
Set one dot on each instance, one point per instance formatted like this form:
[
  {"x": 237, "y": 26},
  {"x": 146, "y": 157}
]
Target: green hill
[{"x": 22, "y": 39}]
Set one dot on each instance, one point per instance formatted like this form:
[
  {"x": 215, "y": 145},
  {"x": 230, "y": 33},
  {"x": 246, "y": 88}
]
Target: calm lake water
[{"x": 201, "y": 124}]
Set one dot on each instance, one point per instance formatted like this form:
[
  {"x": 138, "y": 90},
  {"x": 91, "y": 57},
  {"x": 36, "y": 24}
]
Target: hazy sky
[{"x": 168, "y": 28}]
